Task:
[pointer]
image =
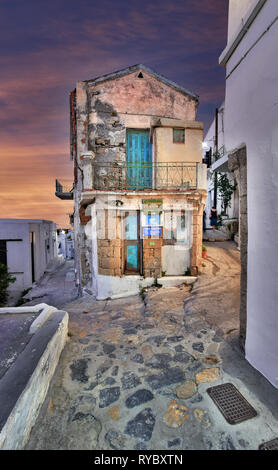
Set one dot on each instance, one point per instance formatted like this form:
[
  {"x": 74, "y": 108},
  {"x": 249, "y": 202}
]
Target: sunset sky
[{"x": 49, "y": 45}]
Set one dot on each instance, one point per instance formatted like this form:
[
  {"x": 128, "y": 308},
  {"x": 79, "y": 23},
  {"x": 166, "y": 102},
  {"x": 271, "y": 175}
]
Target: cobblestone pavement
[
  {"x": 56, "y": 286},
  {"x": 135, "y": 371}
]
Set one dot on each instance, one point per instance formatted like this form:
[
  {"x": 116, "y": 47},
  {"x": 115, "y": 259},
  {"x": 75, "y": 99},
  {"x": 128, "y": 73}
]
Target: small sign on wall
[{"x": 152, "y": 231}]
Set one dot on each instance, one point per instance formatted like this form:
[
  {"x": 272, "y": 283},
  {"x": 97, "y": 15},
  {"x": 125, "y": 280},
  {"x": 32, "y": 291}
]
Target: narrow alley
[{"x": 135, "y": 371}]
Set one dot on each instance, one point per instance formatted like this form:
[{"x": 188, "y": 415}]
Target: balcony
[
  {"x": 220, "y": 162},
  {"x": 120, "y": 176},
  {"x": 64, "y": 191}
]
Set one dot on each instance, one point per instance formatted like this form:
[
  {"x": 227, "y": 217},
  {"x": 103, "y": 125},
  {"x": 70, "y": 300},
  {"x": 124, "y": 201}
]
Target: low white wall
[
  {"x": 114, "y": 287},
  {"x": 15, "y": 433}
]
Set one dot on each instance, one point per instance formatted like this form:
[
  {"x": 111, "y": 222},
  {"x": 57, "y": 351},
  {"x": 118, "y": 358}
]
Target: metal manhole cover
[
  {"x": 270, "y": 445},
  {"x": 231, "y": 403}
]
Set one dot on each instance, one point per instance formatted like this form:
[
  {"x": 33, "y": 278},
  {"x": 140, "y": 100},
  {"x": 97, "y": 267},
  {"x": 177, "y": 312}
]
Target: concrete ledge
[
  {"x": 114, "y": 287},
  {"x": 44, "y": 311},
  {"x": 42, "y": 318},
  {"x": 174, "y": 281},
  {"x": 24, "y": 386},
  {"x": 31, "y": 309}
]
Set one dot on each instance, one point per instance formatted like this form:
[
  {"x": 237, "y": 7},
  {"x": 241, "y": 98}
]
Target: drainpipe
[{"x": 216, "y": 151}]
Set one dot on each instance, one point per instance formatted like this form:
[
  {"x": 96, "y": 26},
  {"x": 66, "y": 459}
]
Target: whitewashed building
[
  {"x": 65, "y": 243},
  {"x": 27, "y": 246},
  {"x": 216, "y": 157},
  {"x": 251, "y": 140}
]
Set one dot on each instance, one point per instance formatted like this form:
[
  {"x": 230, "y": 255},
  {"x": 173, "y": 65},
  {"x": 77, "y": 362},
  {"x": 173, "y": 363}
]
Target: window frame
[{"x": 178, "y": 129}]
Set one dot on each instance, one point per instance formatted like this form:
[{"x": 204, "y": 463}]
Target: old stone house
[{"x": 139, "y": 181}]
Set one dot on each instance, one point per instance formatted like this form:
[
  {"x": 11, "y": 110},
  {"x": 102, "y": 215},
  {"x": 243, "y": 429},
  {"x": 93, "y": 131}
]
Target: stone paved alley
[{"x": 134, "y": 372}]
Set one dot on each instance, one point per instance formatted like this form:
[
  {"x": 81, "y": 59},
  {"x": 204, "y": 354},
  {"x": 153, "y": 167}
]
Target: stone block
[
  {"x": 116, "y": 242},
  {"x": 149, "y": 252},
  {"x": 187, "y": 389},
  {"x": 118, "y": 272},
  {"x": 110, "y": 263},
  {"x": 157, "y": 252},
  {"x": 106, "y": 252},
  {"x": 175, "y": 415},
  {"x": 106, "y": 272},
  {"x": 102, "y": 242},
  {"x": 152, "y": 243},
  {"x": 208, "y": 375},
  {"x": 117, "y": 251}
]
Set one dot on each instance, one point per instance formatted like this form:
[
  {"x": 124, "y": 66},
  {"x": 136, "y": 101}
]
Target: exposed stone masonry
[{"x": 110, "y": 257}]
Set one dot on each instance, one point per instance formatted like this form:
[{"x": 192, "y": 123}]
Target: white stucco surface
[
  {"x": 238, "y": 9},
  {"x": 251, "y": 118},
  {"x": 17, "y": 233}
]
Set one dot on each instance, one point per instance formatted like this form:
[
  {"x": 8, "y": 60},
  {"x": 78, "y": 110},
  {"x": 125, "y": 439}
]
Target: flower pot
[{"x": 204, "y": 254}]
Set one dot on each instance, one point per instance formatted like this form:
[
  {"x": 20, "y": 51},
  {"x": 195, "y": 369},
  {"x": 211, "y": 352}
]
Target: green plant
[
  {"x": 187, "y": 272},
  {"x": 163, "y": 273},
  {"x": 204, "y": 248},
  {"x": 226, "y": 190},
  {"x": 5, "y": 280},
  {"x": 220, "y": 220},
  {"x": 21, "y": 300},
  {"x": 156, "y": 284},
  {"x": 142, "y": 293}
]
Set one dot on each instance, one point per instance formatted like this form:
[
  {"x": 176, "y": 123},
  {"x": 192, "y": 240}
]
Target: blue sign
[
  {"x": 153, "y": 219},
  {"x": 152, "y": 231}
]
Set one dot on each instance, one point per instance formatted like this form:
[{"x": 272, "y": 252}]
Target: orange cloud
[{"x": 49, "y": 46}]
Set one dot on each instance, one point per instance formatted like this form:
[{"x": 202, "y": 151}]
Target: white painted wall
[
  {"x": 19, "y": 252},
  {"x": 209, "y": 141},
  {"x": 65, "y": 240},
  {"x": 252, "y": 118},
  {"x": 237, "y": 13}
]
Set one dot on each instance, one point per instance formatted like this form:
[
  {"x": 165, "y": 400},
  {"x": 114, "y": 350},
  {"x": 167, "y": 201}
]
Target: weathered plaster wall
[
  {"x": 107, "y": 240},
  {"x": 145, "y": 96},
  {"x": 101, "y": 113}
]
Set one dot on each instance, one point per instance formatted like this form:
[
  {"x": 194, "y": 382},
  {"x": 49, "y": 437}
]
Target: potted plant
[{"x": 204, "y": 251}]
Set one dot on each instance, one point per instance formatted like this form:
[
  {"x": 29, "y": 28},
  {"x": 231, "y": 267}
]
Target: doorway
[
  {"x": 132, "y": 244},
  {"x": 138, "y": 160}
]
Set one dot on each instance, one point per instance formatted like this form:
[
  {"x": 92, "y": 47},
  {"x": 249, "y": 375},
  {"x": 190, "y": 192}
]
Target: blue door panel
[
  {"x": 132, "y": 257},
  {"x": 139, "y": 160}
]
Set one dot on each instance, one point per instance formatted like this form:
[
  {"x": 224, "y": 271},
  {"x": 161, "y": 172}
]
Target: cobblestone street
[{"x": 135, "y": 371}]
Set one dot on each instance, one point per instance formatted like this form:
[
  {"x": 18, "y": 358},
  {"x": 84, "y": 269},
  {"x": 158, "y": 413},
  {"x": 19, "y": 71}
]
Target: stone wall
[
  {"x": 197, "y": 237},
  {"x": 238, "y": 165},
  {"x": 110, "y": 259},
  {"x": 152, "y": 257},
  {"x": 101, "y": 111}
]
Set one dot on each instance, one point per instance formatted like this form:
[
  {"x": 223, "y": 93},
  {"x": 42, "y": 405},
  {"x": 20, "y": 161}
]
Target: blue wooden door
[
  {"x": 138, "y": 160},
  {"x": 132, "y": 242}
]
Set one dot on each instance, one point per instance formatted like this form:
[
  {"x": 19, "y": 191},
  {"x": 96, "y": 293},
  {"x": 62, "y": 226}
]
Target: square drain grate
[
  {"x": 231, "y": 403},
  {"x": 270, "y": 445}
]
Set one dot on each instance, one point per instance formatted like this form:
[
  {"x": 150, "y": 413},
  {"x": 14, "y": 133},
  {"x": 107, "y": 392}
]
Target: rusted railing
[
  {"x": 119, "y": 176},
  {"x": 64, "y": 191}
]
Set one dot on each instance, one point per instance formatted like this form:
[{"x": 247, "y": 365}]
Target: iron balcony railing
[
  {"x": 64, "y": 191},
  {"x": 120, "y": 176}
]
